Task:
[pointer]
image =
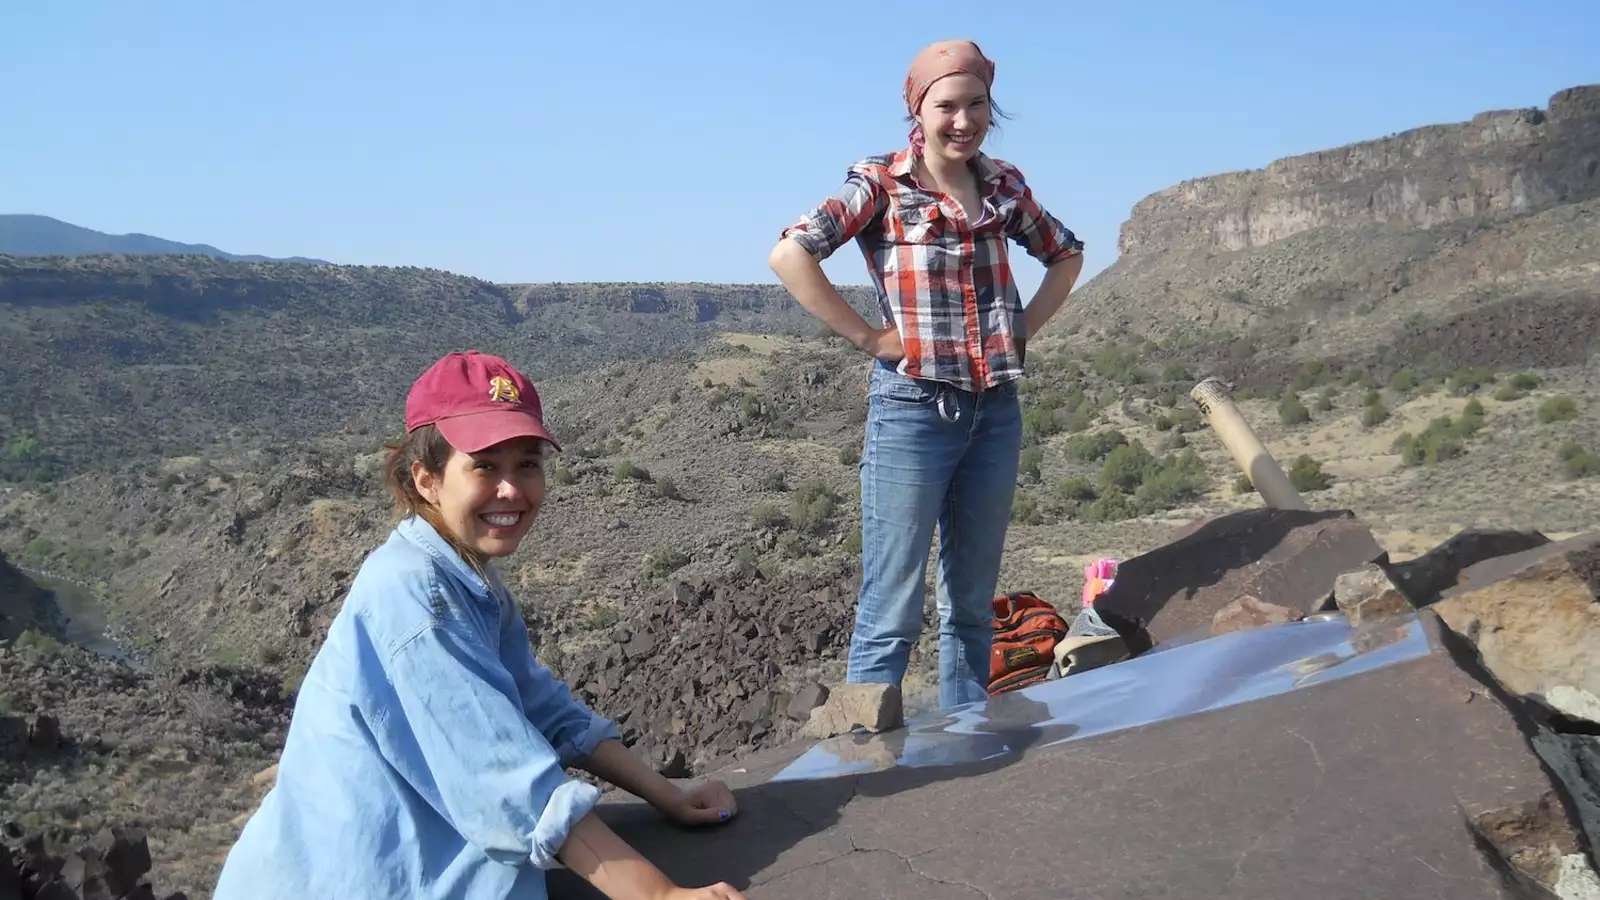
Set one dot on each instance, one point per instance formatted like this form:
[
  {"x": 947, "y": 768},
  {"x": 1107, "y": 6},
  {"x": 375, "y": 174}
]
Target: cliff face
[
  {"x": 1502, "y": 162},
  {"x": 1357, "y": 251}
]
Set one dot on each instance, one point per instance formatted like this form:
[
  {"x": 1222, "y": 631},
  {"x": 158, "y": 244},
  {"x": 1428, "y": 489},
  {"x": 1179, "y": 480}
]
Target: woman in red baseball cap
[{"x": 428, "y": 751}]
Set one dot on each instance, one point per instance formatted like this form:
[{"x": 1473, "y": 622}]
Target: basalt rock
[{"x": 1424, "y": 578}]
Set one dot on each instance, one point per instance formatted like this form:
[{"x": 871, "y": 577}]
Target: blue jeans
[{"x": 933, "y": 454}]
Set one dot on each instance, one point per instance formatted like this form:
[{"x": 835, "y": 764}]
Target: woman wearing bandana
[{"x": 943, "y": 430}]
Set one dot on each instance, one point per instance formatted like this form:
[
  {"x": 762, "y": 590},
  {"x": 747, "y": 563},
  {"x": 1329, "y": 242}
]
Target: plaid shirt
[{"x": 944, "y": 283}]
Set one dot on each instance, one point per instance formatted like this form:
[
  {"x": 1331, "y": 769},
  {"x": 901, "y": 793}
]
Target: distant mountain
[{"x": 29, "y": 235}]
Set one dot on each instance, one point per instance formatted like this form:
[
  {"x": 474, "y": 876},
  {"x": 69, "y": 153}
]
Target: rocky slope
[{"x": 1344, "y": 253}]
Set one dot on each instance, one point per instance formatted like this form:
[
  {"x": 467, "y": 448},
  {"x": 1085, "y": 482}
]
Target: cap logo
[{"x": 502, "y": 390}]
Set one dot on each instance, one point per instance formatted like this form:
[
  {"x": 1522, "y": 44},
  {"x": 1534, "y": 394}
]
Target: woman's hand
[
  {"x": 719, "y": 891},
  {"x": 885, "y": 344},
  {"x": 706, "y": 803}
]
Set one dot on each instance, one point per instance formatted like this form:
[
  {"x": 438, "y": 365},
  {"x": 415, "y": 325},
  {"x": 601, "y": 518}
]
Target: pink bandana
[{"x": 937, "y": 61}]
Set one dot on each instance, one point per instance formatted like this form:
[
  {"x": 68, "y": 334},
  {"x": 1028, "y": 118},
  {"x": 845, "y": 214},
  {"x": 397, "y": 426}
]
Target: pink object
[{"x": 1097, "y": 579}]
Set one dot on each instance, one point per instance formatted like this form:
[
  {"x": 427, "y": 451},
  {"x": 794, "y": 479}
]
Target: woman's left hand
[{"x": 707, "y": 803}]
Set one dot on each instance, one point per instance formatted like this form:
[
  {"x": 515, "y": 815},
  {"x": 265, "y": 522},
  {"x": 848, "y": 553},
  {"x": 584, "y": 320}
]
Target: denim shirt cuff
[
  {"x": 599, "y": 729},
  {"x": 567, "y": 807}
]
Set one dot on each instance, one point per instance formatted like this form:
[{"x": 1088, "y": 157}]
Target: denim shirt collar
[{"x": 417, "y": 530}]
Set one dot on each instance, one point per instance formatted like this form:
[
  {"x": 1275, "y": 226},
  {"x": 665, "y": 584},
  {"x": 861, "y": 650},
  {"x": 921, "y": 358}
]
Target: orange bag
[{"x": 1026, "y": 630}]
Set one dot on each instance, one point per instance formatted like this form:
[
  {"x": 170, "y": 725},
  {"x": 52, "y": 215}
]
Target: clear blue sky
[{"x": 671, "y": 141}]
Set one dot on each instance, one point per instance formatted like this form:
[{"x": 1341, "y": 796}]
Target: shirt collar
[
  {"x": 417, "y": 530},
  {"x": 903, "y": 162}
]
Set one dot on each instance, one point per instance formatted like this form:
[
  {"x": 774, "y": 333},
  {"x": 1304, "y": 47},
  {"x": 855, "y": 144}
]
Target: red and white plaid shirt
[{"x": 945, "y": 283}]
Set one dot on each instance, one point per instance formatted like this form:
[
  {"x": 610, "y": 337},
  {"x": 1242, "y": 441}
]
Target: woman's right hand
[
  {"x": 885, "y": 344},
  {"x": 719, "y": 891}
]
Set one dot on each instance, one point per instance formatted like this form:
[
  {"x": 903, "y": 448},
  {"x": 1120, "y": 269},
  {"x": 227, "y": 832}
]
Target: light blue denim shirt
[{"x": 427, "y": 753}]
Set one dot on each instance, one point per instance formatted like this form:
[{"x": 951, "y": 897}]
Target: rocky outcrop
[
  {"x": 1283, "y": 558},
  {"x": 1505, "y": 161},
  {"x": 110, "y": 866}
]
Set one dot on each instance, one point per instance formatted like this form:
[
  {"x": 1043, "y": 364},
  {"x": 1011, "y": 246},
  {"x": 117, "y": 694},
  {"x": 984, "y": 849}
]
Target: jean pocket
[{"x": 897, "y": 388}]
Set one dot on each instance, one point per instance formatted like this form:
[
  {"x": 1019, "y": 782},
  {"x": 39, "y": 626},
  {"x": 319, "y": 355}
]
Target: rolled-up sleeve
[
  {"x": 839, "y": 218},
  {"x": 571, "y": 728},
  {"x": 458, "y": 735},
  {"x": 1041, "y": 234}
]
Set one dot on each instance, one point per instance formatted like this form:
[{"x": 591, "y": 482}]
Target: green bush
[
  {"x": 1095, "y": 447},
  {"x": 1079, "y": 419},
  {"x": 37, "y": 645},
  {"x": 1509, "y": 391},
  {"x": 1125, "y": 468},
  {"x": 1442, "y": 440},
  {"x": 1028, "y": 465},
  {"x": 663, "y": 562},
  {"x": 1075, "y": 489},
  {"x": 1404, "y": 381},
  {"x": 1025, "y": 510},
  {"x": 627, "y": 470},
  {"x": 1291, "y": 411},
  {"x": 1371, "y": 398},
  {"x": 1113, "y": 506},
  {"x": 1174, "y": 481},
  {"x": 1119, "y": 364},
  {"x": 1306, "y": 475},
  {"x": 812, "y": 505},
  {"x": 766, "y": 514},
  {"x": 1468, "y": 379},
  {"x": 1324, "y": 403},
  {"x": 1374, "y": 414},
  {"x": 1162, "y": 423},
  {"x": 1558, "y": 409},
  {"x": 1524, "y": 381},
  {"x": 1038, "y": 423},
  {"x": 1174, "y": 441},
  {"x": 774, "y": 481},
  {"x": 1576, "y": 462},
  {"x": 1187, "y": 419},
  {"x": 1176, "y": 372},
  {"x": 562, "y": 475}
]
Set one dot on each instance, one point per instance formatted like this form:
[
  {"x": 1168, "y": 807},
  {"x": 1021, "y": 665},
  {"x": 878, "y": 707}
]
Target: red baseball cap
[{"x": 476, "y": 400}]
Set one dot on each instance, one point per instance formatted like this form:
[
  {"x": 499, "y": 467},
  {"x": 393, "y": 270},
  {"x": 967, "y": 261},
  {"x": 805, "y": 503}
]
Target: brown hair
[{"x": 427, "y": 446}]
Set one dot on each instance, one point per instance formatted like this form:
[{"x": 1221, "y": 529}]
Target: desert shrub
[
  {"x": 1162, "y": 423},
  {"x": 849, "y": 455},
  {"x": 1038, "y": 423},
  {"x": 628, "y": 470},
  {"x": 1374, "y": 414},
  {"x": 1306, "y": 475},
  {"x": 1175, "y": 372},
  {"x": 666, "y": 489},
  {"x": 1174, "y": 441},
  {"x": 766, "y": 514},
  {"x": 1242, "y": 485},
  {"x": 1075, "y": 489},
  {"x": 1508, "y": 391},
  {"x": 1095, "y": 447},
  {"x": 1404, "y": 381},
  {"x": 1118, "y": 363},
  {"x": 812, "y": 505},
  {"x": 1187, "y": 419},
  {"x": 1113, "y": 506},
  {"x": 1576, "y": 462},
  {"x": 1291, "y": 411},
  {"x": 36, "y": 645},
  {"x": 1558, "y": 409},
  {"x": 1443, "y": 439},
  {"x": 1175, "y": 480},
  {"x": 1125, "y": 468},
  {"x": 1025, "y": 510},
  {"x": 1468, "y": 379},
  {"x": 774, "y": 481},
  {"x": 1079, "y": 419},
  {"x": 663, "y": 561},
  {"x": 1310, "y": 375},
  {"x": 562, "y": 475},
  {"x": 1324, "y": 403},
  {"x": 1371, "y": 398},
  {"x": 1524, "y": 381},
  {"x": 1028, "y": 465}
]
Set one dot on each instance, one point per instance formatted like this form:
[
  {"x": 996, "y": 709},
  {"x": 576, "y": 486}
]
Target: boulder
[
  {"x": 1367, "y": 595},
  {"x": 1251, "y": 612},
  {"x": 1423, "y": 579},
  {"x": 1287, "y": 558},
  {"x": 809, "y": 697},
  {"x": 875, "y": 707},
  {"x": 1534, "y": 619}
]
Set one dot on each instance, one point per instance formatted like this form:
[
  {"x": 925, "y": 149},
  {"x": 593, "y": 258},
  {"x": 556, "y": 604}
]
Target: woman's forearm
[
  {"x": 804, "y": 278},
  {"x": 594, "y": 853},
  {"x": 1052, "y": 293},
  {"x": 620, "y": 766}
]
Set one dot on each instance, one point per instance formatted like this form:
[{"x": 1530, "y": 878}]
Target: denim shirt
[{"x": 427, "y": 753}]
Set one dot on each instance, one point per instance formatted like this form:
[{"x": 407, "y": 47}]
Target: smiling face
[
  {"x": 955, "y": 117},
  {"x": 489, "y": 499}
]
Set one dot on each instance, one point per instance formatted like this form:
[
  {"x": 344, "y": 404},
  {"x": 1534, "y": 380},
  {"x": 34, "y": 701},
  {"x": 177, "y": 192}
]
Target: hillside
[
  {"x": 30, "y": 235},
  {"x": 1469, "y": 240}
]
